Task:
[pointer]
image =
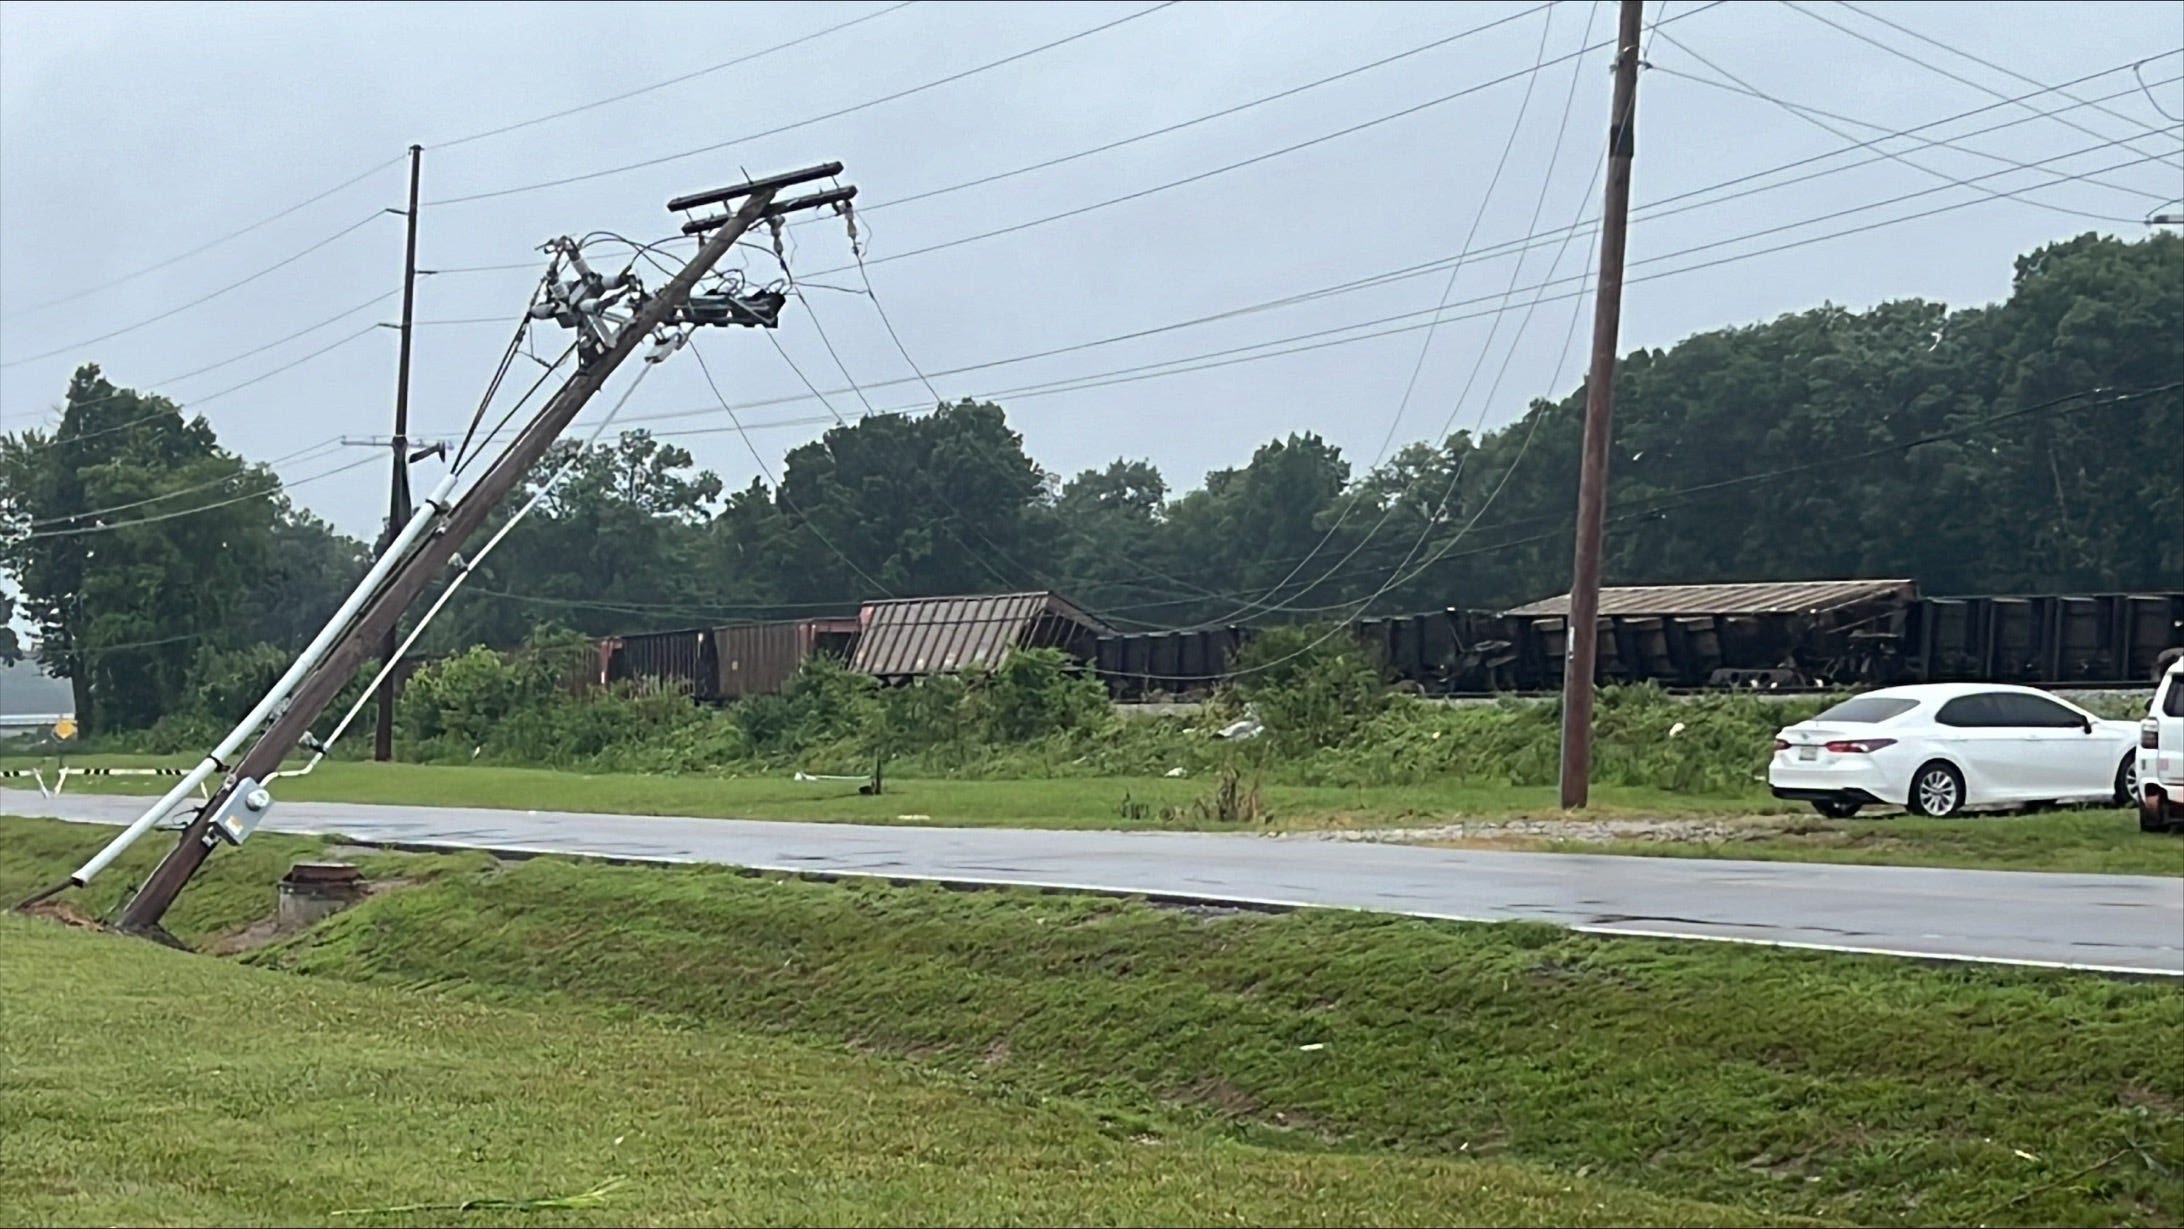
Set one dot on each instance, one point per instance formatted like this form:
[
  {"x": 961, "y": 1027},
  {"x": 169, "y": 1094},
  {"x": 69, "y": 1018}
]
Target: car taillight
[
  {"x": 2149, "y": 734},
  {"x": 1783, "y": 744},
  {"x": 1860, "y": 746}
]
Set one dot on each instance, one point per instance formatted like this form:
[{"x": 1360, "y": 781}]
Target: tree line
[{"x": 1976, "y": 450}]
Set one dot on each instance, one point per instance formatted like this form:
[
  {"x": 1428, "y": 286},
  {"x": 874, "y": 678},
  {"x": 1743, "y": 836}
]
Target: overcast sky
[{"x": 129, "y": 133}]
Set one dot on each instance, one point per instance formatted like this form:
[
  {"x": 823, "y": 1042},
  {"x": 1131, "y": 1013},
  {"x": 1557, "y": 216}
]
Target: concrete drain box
[{"x": 314, "y": 890}]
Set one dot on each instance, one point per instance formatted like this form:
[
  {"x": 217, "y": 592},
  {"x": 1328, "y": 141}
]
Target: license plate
[{"x": 1808, "y": 753}]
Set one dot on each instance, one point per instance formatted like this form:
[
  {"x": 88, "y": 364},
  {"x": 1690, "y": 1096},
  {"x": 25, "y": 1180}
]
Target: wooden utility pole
[
  {"x": 1583, "y": 639},
  {"x": 456, "y": 524},
  {"x": 398, "y": 491}
]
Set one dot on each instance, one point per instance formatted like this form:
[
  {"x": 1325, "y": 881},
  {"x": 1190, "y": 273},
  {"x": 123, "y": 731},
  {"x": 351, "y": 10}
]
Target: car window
[
  {"x": 2172, "y": 698},
  {"x": 2036, "y": 712},
  {"x": 1868, "y": 710},
  {"x": 1969, "y": 713}
]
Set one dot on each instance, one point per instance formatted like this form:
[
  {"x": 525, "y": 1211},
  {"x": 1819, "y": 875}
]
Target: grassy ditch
[
  {"x": 1781, "y": 1084},
  {"x": 163, "y": 1088}
]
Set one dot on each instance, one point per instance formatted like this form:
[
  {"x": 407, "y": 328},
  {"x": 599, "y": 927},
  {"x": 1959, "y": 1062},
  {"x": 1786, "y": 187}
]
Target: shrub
[
  {"x": 1312, "y": 686},
  {"x": 1034, "y": 693}
]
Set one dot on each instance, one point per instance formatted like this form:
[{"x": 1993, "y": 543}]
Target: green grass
[
  {"x": 146, "y": 1086},
  {"x": 1077, "y": 802},
  {"x": 1782, "y": 1084},
  {"x": 2088, "y": 842}
]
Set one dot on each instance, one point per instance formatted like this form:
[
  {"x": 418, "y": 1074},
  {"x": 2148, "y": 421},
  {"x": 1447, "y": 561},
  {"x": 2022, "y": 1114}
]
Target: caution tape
[
  {"x": 101, "y": 772},
  {"x": 62, "y": 774}
]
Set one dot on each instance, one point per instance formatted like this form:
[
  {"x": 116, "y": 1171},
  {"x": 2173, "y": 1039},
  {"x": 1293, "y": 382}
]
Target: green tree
[
  {"x": 1248, "y": 530},
  {"x": 940, "y": 503},
  {"x": 1110, "y": 543},
  {"x": 310, "y": 566},
  {"x": 134, "y": 539},
  {"x": 615, "y": 546}
]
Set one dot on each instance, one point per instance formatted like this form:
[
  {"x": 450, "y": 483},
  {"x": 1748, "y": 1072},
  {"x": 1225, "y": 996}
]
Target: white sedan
[{"x": 1939, "y": 749}]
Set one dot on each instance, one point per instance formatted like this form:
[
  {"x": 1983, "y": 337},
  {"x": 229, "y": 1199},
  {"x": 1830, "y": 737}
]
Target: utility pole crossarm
[{"x": 415, "y": 572}]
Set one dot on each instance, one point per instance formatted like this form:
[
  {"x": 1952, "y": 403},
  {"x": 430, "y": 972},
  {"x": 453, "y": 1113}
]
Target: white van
[{"x": 2161, "y": 756}]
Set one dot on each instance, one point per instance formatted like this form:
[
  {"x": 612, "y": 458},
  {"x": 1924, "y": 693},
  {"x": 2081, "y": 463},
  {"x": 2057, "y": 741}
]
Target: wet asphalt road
[{"x": 2116, "y": 923}]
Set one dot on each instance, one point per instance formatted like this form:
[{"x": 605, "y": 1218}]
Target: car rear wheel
[
  {"x": 2127, "y": 780},
  {"x": 1937, "y": 790},
  {"x": 1836, "y": 808}
]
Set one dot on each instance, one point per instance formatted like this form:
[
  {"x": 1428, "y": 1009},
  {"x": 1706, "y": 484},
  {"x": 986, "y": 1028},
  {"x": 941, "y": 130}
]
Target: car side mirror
[{"x": 2086, "y": 723}]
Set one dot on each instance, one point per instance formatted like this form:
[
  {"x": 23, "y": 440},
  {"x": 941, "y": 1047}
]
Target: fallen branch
[
  {"x": 2072, "y": 1176},
  {"x": 589, "y": 1199}
]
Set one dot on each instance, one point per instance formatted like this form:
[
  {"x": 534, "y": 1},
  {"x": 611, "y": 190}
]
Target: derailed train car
[
  {"x": 894, "y": 641},
  {"x": 716, "y": 664},
  {"x": 1772, "y": 635}
]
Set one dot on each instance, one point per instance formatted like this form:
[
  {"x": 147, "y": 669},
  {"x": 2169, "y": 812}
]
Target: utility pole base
[{"x": 153, "y": 931}]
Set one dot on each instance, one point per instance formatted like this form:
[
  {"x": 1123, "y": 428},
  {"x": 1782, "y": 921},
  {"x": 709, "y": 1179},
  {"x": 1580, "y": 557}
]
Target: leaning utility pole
[
  {"x": 1583, "y": 635},
  {"x": 398, "y": 492},
  {"x": 426, "y": 545}
]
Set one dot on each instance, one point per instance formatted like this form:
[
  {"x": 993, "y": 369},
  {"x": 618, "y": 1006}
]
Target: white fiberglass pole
[{"x": 313, "y": 653}]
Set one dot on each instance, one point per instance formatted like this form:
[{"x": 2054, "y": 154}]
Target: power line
[
  {"x": 366, "y": 331},
  {"x": 1930, "y": 66},
  {"x": 1650, "y": 507},
  {"x": 1101, "y": 379},
  {"x": 1653, "y": 208},
  {"x": 692, "y": 609},
  {"x": 1524, "y": 447},
  {"x": 1660, "y": 503},
  {"x": 1626, "y": 77},
  {"x": 625, "y": 95},
  {"x": 940, "y": 403},
  {"x": 274, "y": 488},
  {"x": 1241, "y": 354},
  {"x": 1811, "y": 115},
  {"x": 2004, "y": 69},
  {"x": 894, "y": 335},
  {"x": 313, "y": 451},
  {"x": 1448, "y": 288},
  {"x": 760, "y": 461},
  {"x": 1658, "y": 209},
  {"x": 2148, "y": 90},
  {"x": 448, "y": 144},
  {"x": 201, "y": 300},
  {"x": 1209, "y": 116},
  {"x": 943, "y": 522},
  {"x": 807, "y": 121},
  {"x": 1562, "y": 361},
  {"x": 336, "y": 318},
  {"x": 207, "y": 246},
  {"x": 1806, "y": 112},
  {"x": 1255, "y": 159}
]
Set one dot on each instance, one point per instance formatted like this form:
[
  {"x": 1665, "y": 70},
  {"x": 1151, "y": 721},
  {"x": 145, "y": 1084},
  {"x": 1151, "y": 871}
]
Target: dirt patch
[
  {"x": 1221, "y": 1096},
  {"x": 997, "y": 1053},
  {"x": 2136, "y": 1095},
  {"x": 65, "y": 913},
  {"x": 1298, "y": 1120},
  {"x": 1204, "y": 912}
]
